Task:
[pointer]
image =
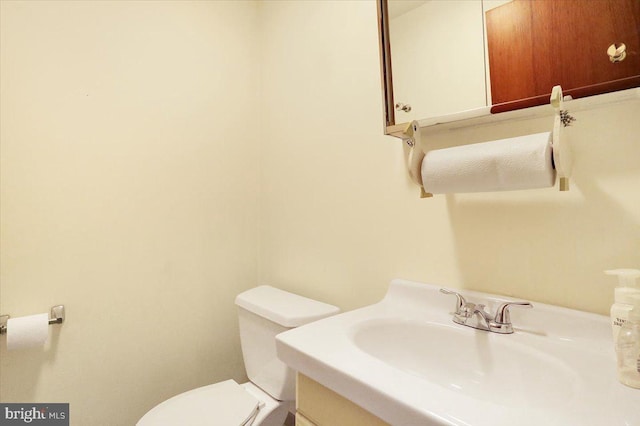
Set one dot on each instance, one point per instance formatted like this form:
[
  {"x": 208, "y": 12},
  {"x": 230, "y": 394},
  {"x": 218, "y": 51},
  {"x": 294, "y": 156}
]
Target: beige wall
[
  {"x": 129, "y": 168},
  {"x": 143, "y": 162},
  {"x": 341, "y": 218}
]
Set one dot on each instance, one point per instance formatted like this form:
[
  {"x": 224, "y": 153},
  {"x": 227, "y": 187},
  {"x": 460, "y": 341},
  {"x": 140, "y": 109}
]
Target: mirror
[{"x": 441, "y": 57}]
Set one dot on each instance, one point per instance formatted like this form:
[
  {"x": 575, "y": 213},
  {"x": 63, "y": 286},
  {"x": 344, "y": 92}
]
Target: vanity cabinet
[{"x": 317, "y": 405}]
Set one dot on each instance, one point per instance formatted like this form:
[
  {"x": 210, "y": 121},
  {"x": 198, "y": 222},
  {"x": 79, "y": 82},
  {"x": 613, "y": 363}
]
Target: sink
[
  {"x": 404, "y": 360},
  {"x": 481, "y": 365}
]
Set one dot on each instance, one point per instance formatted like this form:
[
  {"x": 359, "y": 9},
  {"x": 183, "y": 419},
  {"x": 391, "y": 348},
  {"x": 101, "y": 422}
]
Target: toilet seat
[{"x": 221, "y": 404}]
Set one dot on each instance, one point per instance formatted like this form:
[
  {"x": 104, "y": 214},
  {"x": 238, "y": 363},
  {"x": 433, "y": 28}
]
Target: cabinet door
[
  {"x": 303, "y": 421},
  {"x": 535, "y": 45},
  {"x": 321, "y": 406}
]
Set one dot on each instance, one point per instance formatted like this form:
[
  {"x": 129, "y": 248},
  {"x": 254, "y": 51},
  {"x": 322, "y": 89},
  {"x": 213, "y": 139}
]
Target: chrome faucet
[{"x": 473, "y": 315}]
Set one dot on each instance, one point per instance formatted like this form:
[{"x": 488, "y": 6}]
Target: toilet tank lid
[{"x": 282, "y": 307}]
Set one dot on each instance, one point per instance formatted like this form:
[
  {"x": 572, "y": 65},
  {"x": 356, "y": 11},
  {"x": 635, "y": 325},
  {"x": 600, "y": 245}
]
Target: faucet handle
[
  {"x": 460, "y": 301},
  {"x": 502, "y": 313}
]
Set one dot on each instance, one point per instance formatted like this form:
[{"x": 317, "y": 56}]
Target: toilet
[{"x": 263, "y": 312}]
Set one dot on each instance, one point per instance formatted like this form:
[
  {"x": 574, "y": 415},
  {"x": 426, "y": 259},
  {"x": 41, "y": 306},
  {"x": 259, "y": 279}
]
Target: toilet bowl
[
  {"x": 265, "y": 400},
  {"x": 223, "y": 403}
]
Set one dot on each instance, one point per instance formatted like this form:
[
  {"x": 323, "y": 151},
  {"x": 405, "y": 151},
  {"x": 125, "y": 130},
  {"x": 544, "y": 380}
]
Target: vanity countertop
[{"x": 405, "y": 361}]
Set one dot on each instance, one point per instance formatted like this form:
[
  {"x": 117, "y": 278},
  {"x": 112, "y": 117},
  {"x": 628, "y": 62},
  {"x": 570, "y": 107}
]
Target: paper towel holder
[
  {"x": 562, "y": 158},
  {"x": 413, "y": 155},
  {"x": 57, "y": 317},
  {"x": 561, "y": 152}
]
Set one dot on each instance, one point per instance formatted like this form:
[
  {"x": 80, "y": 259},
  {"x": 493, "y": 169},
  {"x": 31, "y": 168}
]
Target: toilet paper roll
[{"x": 27, "y": 332}]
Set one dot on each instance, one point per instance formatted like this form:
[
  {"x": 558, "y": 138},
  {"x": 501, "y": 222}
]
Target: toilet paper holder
[{"x": 57, "y": 317}]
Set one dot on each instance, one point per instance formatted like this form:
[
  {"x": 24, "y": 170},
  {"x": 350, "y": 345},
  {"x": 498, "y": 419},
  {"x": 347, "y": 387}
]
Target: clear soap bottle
[
  {"x": 628, "y": 287},
  {"x": 628, "y": 348}
]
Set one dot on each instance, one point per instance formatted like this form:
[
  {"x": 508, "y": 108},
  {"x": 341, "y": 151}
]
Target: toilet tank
[{"x": 263, "y": 313}]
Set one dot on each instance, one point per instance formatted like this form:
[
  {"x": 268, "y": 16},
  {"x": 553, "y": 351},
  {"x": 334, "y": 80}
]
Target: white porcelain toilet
[{"x": 266, "y": 399}]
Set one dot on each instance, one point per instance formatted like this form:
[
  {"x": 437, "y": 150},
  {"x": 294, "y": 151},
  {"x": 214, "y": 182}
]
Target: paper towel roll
[
  {"x": 27, "y": 332},
  {"x": 523, "y": 162}
]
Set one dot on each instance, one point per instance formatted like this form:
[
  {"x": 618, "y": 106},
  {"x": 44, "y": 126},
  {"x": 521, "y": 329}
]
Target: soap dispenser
[
  {"x": 628, "y": 347},
  {"x": 623, "y": 303}
]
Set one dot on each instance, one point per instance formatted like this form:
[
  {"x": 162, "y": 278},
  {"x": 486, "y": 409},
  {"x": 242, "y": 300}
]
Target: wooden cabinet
[
  {"x": 535, "y": 45},
  {"x": 317, "y": 405}
]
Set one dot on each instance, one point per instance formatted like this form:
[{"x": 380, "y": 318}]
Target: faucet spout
[
  {"x": 483, "y": 317},
  {"x": 498, "y": 323}
]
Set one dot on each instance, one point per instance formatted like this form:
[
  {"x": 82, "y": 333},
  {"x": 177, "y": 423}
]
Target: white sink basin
[
  {"x": 404, "y": 360},
  {"x": 481, "y": 365}
]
